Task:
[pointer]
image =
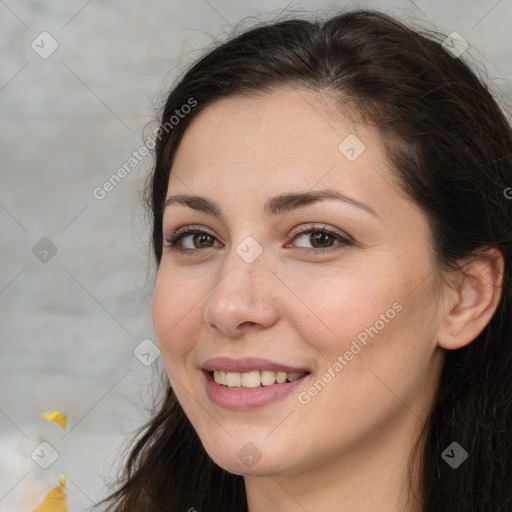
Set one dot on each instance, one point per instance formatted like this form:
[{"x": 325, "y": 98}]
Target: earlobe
[{"x": 473, "y": 300}]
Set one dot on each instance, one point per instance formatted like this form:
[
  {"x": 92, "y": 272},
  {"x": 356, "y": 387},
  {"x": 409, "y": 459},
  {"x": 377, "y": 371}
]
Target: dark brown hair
[{"x": 450, "y": 144}]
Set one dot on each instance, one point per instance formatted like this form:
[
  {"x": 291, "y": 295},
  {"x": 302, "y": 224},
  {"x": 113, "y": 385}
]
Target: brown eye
[
  {"x": 189, "y": 240},
  {"x": 201, "y": 239},
  {"x": 322, "y": 238}
]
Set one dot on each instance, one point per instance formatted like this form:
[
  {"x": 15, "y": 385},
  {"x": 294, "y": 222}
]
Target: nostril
[{"x": 244, "y": 324}]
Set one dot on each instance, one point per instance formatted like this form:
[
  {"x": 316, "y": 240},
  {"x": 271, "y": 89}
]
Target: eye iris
[
  {"x": 201, "y": 237},
  {"x": 320, "y": 237}
]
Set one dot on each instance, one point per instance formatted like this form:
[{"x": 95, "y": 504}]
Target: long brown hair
[{"x": 450, "y": 145}]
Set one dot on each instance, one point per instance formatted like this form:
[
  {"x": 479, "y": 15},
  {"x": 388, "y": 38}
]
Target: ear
[{"x": 473, "y": 299}]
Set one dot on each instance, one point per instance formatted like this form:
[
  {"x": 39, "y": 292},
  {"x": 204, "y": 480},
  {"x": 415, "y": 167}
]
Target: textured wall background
[{"x": 75, "y": 294}]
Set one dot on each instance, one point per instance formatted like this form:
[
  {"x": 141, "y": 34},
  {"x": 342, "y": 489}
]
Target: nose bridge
[
  {"x": 245, "y": 264},
  {"x": 243, "y": 291},
  {"x": 241, "y": 274}
]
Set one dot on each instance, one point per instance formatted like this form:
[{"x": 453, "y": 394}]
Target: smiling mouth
[{"x": 254, "y": 379}]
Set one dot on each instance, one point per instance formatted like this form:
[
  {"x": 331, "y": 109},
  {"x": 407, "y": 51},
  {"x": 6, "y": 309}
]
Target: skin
[{"x": 348, "y": 447}]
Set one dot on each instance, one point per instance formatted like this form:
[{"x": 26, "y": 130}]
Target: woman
[{"x": 332, "y": 302}]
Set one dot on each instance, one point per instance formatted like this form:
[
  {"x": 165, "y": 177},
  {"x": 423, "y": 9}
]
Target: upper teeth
[{"x": 253, "y": 379}]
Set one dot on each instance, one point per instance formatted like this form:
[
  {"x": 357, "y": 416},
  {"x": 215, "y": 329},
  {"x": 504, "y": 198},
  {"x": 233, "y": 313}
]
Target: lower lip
[{"x": 248, "y": 398}]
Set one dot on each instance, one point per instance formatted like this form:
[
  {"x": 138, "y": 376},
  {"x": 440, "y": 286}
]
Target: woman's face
[{"x": 332, "y": 294}]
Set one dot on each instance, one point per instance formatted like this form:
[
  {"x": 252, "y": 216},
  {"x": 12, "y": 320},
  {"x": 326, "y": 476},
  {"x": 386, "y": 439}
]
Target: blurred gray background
[{"x": 75, "y": 279}]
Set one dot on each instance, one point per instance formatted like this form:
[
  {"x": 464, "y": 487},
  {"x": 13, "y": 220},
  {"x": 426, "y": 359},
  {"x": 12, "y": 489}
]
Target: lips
[
  {"x": 248, "y": 364},
  {"x": 254, "y": 379},
  {"x": 250, "y": 372},
  {"x": 249, "y": 383}
]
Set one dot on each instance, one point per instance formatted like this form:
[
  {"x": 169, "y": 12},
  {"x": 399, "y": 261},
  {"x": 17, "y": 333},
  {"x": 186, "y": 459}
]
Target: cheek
[
  {"x": 176, "y": 307},
  {"x": 333, "y": 311}
]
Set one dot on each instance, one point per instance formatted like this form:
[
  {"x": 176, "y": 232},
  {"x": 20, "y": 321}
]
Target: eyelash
[{"x": 172, "y": 240}]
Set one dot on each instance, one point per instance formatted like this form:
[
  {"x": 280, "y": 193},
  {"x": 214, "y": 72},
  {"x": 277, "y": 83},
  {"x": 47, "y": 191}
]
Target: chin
[
  {"x": 246, "y": 467},
  {"x": 257, "y": 458}
]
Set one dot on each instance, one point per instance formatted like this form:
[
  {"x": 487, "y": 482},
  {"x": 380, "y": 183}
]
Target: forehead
[
  {"x": 247, "y": 146},
  {"x": 282, "y": 119}
]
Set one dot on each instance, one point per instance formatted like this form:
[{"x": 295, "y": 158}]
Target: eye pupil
[
  {"x": 202, "y": 237},
  {"x": 321, "y": 237}
]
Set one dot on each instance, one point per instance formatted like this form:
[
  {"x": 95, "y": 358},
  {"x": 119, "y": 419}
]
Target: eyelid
[
  {"x": 297, "y": 229},
  {"x": 318, "y": 226},
  {"x": 183, "y": 232},
  {"x": 343, "y": 239},
  {"x": 186, "y": 228}
]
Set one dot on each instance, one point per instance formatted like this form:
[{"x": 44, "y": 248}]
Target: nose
[{"x": 243, "y": 298}]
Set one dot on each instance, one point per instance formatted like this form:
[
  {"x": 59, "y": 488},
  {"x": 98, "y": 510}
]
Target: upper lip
[{"x": 248, "y": 364}]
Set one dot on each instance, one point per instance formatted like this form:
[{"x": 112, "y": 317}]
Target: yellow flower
[
  {"x": 55, "y": 500},
  {"x": 57, "y": 417}
]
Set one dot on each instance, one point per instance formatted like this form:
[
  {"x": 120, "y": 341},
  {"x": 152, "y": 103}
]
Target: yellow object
[
  {"x": 55, "y": 500},
  {"x": 57, "y": 417}
]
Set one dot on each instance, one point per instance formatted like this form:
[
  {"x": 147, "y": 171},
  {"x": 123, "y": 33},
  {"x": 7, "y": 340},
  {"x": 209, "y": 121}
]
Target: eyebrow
[{"x": 276, "y": 205}]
